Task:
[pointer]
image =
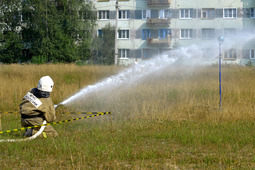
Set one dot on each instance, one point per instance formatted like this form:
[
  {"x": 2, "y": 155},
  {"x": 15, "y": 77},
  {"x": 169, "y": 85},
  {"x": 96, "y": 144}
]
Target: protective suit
[{"x": 37, "y": 106}]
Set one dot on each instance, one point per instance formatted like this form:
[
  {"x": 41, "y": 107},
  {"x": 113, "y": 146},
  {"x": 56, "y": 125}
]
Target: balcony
[
  {"x": 159, "y": 42},
  {"x": 158, "y": 2},
  {"x": 158, "y": 21}
]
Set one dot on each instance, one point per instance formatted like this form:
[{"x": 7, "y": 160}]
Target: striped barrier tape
[
  {"x": 53, "y": 123},
  {"x": 63, "y": 113},
  {"x": 26, "y": 139},
  {"x": 82, "y": 112},
  {"x": 8, "y": 112}
]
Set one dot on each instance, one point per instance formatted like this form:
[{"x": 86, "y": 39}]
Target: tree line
[{"x": 42, "y": 31}]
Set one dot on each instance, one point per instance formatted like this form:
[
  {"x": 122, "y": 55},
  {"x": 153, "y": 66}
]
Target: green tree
[
  {"x": 50, "y": 30},
  {"x": 104, "y": 44},
  {"x": 10, "y": 25},
  {"x": 62, "y": 26},
  {"x": 11, "y": 48}
]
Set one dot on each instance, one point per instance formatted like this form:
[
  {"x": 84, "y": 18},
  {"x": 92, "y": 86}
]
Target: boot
[{"x": 28, "y": 133}]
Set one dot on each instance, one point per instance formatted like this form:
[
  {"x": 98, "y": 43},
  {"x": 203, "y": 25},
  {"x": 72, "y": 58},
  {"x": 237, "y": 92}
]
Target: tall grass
[
  {"x": 16, "y": 80},
  {"x": 170, "y": 120}
]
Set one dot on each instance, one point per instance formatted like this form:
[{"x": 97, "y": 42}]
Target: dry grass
[
  {"x": 178, "y": 93},
  {"x": 168, "y": 121},
  {"x": 183, "y": 94},
  {"x": 16, "y": 80}
]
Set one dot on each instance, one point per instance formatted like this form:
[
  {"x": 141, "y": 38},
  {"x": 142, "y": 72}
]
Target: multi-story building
[{"x": 148, "y": 28}]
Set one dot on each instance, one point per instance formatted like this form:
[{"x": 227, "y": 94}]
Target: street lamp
[
  {"x": 220, "y": 39},
  {"x": 116, "y": 34}
]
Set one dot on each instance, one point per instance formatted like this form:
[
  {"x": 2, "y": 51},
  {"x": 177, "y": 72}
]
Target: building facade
[{"x": 150, "y": 28}]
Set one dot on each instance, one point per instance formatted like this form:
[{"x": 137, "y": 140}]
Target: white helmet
[{"x": 45, "y": 84}]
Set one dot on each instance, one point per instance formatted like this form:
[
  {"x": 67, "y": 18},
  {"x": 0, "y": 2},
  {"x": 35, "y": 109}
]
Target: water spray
[
  {"x": 128, "y": 76},
  {"x": 189, "y": 56}
]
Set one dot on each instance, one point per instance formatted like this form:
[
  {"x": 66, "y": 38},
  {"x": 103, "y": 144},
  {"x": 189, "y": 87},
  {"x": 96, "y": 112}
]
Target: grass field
[{"x": 169, "y": 121}]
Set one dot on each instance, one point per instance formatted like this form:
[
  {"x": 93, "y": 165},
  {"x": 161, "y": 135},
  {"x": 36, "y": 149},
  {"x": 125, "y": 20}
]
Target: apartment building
[{"x": 149, "y": 28}]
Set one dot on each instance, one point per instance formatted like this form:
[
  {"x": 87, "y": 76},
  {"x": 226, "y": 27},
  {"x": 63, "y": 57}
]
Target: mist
[{"x": 109, "y": 93}]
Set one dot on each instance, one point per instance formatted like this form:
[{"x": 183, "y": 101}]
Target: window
[
  {"x": 124, "y": 14},
  {"x": 252, "y": 53},
  {"x": 229, "y": 32},
  {"x": 230, "y": 54},
  {"x": 123, "y": 53},
  {"x": 185, "y": 14},
  {"x": 103, "y": 14},
  {"x": 164, "y": 52},
  {"x": 123, "y": 34},
  {"x": 163, "y": 33},
  {"x": 208, "y": 13},
  {"x": 146, "y": 33},
  {"x": 208, "y": 33},
  {"x": 100, "y": 33},
  {"x": 83, "y": 15},
  {"x": 164, "y": 13},
  {"x": 167, "y": 13},
  {"x": 186, "y": 33},
  {"x": 229, "y": 13},
  {"x": 146, "y": 53},
  {"x": 161, "y": 13},
  {"x": 253, "y": 13},
  {"x": 146, "y": 14}
]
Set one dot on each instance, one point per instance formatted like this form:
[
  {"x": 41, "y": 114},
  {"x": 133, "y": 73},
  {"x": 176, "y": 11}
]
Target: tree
[
  {"x": 11, "y": 48},
  {"x": 10, "y": 26},
  {"x": 62, "y": 27},
  {"x": 53, "y": 30},
  {"x": 103, "y": 46}
]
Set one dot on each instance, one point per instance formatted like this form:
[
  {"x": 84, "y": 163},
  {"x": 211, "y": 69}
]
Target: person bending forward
[{"x": 37, "y": 106}]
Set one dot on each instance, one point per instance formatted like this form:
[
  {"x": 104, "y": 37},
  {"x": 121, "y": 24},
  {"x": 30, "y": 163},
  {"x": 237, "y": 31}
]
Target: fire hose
[
  {"x": 92, "y": 114},
  {"x": 29, "y": 138}
]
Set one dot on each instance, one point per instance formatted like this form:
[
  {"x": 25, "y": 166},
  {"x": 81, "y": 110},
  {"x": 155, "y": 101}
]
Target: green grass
[{"x": 98, "y": 143}]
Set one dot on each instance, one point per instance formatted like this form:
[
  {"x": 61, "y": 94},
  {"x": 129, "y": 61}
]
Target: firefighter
[{"x": 37, "y": 106}]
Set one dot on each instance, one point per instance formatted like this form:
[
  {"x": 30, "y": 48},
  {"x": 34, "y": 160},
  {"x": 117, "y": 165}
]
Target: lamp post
[
  {"x": 116, "y": 34},
  {"x": 220, "y": 39}
]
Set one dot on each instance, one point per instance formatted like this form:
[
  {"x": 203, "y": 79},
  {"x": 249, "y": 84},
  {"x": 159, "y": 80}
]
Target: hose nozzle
[{"x": 56, "y": 106}]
